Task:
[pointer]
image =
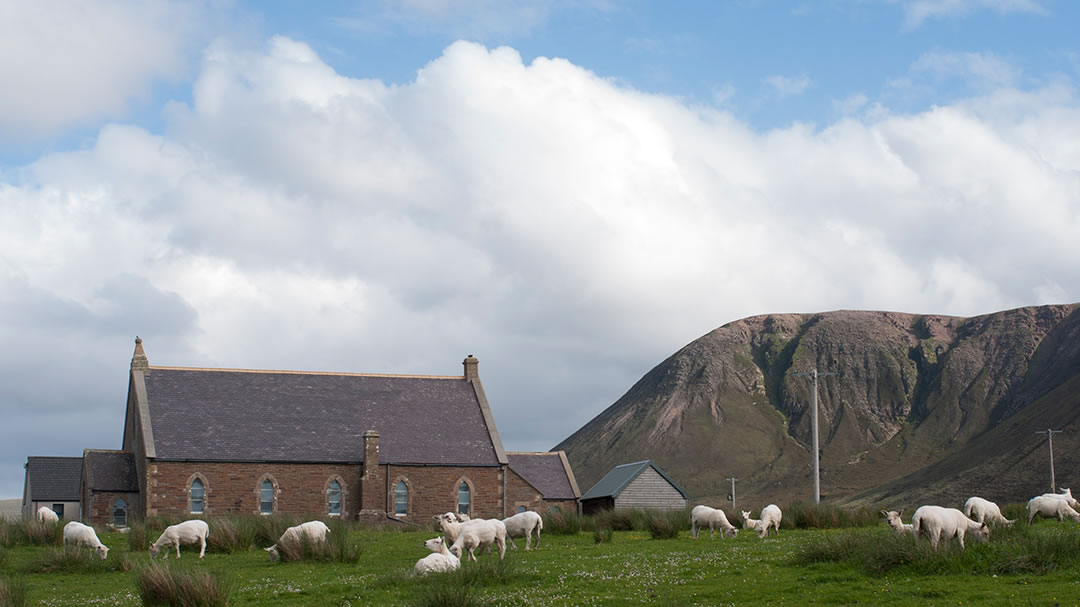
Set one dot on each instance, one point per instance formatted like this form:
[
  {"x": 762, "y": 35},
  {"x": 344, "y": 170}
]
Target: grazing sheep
[
  {"x": 440, "y": 560},
  {"x": 770, "y": 519},
  {"x": 701, "y": 516},
  {"x": 1050, "y": 506},
  {"x": 1065, "y": 494},
  {"x": 936, "y": 522},
  {"x": 314, "y": 531},
  {"x": 187, "y": 532},
  {"x": 898, "y": 525},
  {"x": 46, "y": 515},
  {"x": 82, "y": 535},
  {"x": 985, "y": 511},
  {"x": 479, "y": 533},
  {"x": 524, "y": 524}
]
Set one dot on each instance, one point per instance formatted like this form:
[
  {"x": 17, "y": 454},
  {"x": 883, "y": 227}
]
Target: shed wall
[{"x": 650, "y": 490}]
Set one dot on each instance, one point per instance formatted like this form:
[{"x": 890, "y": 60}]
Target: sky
[{"x": 570, "y": 190}]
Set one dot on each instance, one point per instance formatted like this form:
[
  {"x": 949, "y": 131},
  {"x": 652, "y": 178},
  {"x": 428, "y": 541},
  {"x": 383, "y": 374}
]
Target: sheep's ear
[
  {"x": 268, "y": 549},
  {"x": 885, "y": 513},
  {"x": 901, "y": 513}
]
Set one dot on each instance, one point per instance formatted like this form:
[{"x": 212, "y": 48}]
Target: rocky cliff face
[{"x": 920, "y": 406}]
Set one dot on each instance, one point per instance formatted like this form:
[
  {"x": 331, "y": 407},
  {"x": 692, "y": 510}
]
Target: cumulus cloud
[
  {"x": 568, "y": 231},
  {"x": 918, "y": 11},
  {"x": 66, "y": 63}
]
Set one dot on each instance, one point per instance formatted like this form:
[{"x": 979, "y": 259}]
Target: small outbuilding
[
  {"x": 638, "y": 485},
  {"x": 53, "y": 482}
]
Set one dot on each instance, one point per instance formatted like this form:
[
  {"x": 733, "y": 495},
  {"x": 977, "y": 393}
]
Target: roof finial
[{"x": 139, "y": 362}]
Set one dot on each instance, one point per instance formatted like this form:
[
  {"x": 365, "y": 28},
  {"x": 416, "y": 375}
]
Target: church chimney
[
  {"x": 471, "y": 371},
  {"x": 139, "y": 362}
]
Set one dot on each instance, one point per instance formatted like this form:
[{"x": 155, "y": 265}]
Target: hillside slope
[{"x": 918, "y": 402}]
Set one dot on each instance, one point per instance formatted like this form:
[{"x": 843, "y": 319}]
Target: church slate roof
[
  {"x": 545, "y": 471},
  {"x": 285, "y": 416},
  {"x": 54, "y": 479},
  {"x": 110, "y": 470}
]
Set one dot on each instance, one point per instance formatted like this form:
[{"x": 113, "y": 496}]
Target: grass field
[{"x": 825, "y": 567}]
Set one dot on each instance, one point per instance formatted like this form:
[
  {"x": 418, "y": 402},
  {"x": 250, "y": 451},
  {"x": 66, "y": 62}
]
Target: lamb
[
  {"x": 770, "y": 519},
  {"x": 46, "y": 515},
  {"x": 898, "y": 525},
  {"x": 313, "y": 531},
  {"x": 187, "y": 532},
  {"x": 524, "y": 524},
  {"x": 478, "y": 533},
  {"x": 985, "y": 511},
  {"x": 83, "y": 535},
  {"x": 701, "y": 516},
  {"x": 439, "y": 561},
  {"x": 936, "y": 522},
  {"x": 1049, "y": 506}
]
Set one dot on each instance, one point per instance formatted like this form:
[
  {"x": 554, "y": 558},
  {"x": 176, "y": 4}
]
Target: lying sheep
[
  {"x": 440, "y": 560},
  {"x": 898, "y": 525},
  {"x": 936, "y": 522},
  {"x": 479, "y": 533},
  {"x": 82, "y": 535},
  {"x": 701, "y": 516},
  {"x": 187, "y": 532},
  {"x": 313, "y": 531},
  {"x": 985, "y": 511},
  {"x": 524, "y": 524},
  {"x": 46, "y": 515},
  {"x": 770, "y": 519},
  {"x": 1050, "y": 506}
]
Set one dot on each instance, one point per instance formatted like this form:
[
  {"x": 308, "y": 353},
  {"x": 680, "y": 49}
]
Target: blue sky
[{"x": 569, "y": 190}]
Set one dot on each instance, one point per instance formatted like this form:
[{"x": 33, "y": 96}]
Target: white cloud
[
  {"x": 918, "y": 11},
  {"x": 787, "y": 86},
  {"x": 65, "y": 63},
  {"x": 568, "y": 231},
  {"x": 984, "y": 70}
]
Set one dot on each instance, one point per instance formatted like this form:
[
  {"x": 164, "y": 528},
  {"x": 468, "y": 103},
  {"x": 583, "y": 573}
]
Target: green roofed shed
[{"x": 637, "y": 485}]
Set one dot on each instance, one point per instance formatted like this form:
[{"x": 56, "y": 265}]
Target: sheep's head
[
  {"x": 274, "y": 554},
  {"x": 435, "y": 544},
  {"x": 154, "y": 550},
  {"x": 102, "y": 552},
  {"x": 731, "y": 532},
  {"x": 745, "y": 515},
  {"x": 982, "y": 534},
  {"x": 462, "y": 518},
  {"x": 456, "y": 550}
]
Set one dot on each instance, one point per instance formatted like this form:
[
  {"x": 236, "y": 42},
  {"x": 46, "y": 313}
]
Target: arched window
[
  {"x": 463, "y": 498},
  {"x": 195, "y": 497},
  {"x": 401, "y": 499},
  {"x": 266, "y": 497},
  {"x": 119, "y": 513},
  {"x": 333, "y": 498}
]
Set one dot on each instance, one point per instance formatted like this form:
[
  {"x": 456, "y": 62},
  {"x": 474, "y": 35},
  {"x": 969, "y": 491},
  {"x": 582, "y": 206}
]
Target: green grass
[{"x": 1025, "y": 565}]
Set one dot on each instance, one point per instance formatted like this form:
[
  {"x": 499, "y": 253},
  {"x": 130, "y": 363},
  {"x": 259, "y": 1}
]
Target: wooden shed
[{"x": 638, "y": 485}]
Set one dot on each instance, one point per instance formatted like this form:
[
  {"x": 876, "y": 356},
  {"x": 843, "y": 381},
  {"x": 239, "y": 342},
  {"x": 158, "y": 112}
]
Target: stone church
[{"x": 201, "y": 441}]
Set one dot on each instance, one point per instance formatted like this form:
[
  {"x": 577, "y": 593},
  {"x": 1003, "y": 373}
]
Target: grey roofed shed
[
  {"x": 636, "y": 485},
  {"x": 54, "y": 479}
]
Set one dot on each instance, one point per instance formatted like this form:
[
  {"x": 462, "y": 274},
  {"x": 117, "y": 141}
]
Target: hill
[{"x": 923, "y": 407}]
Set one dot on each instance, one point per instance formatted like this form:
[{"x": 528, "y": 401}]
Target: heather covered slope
[{"x": 918, "y": 400}]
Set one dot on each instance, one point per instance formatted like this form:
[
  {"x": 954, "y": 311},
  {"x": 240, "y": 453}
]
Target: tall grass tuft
[
  {"x": 661, "y": 527},
  {"x": 557, "y": 522},
  {"x": 72, "y": 559},
  {"x": 803, "y": 515},
  {"x": 340, "y": 546},
  {"x": 268, "y": 528},
  {"x": 617, "y": 520},
  {"x": 7, "y": 538},
  {"x": 12, "y": 592},
  {"x": 230, "y": 534},
  {"x": 161, "y": 584},
  {"x": 38, "y": 533}
]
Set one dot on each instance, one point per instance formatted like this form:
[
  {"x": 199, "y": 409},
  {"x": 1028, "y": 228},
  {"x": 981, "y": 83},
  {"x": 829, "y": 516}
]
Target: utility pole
[
  {"x": 1050, "y": 438},
  {"x": 733, "y": 479},
  {"x": 813, "y": 373}
]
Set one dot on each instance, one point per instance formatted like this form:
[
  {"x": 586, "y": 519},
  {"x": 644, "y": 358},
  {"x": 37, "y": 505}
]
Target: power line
[{"x": 813, "y": 373}]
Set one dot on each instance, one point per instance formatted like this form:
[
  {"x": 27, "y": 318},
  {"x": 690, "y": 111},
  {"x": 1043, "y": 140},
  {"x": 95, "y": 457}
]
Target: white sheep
[
  {"x": 83, "y": 535},
  {"x": 936, "y": 522},
  {"x": 702, "y": 516},
  {"x": 770, "y": 519},
  {"x": 440, "y": 560},
  {"x": 314, "y": 531},
  {"x": 450, "y": 525},
  {"x": 1050, "y": 506},
  {"x": 479, "y": 533},
  {"x": 187, "y": 532},
  {"x": 46, "y": 515},
  {"x": 985, "y": 511},
  {"x": 1064, "y": 494},
  {"x": 898, "y": 525},
  {"x": 524, "y": 524}
]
